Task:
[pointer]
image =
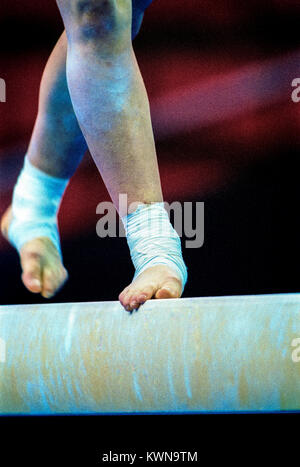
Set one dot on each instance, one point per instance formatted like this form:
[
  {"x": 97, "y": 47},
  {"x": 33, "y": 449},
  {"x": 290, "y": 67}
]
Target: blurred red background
[{"x": 218, "y": 75}]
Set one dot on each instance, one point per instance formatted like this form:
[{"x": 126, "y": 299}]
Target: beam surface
[{"x": 238, "y": 353}]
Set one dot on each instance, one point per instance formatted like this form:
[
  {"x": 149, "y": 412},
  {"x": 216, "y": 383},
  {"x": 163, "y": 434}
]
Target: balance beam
[{"x": 217, "y": 354}]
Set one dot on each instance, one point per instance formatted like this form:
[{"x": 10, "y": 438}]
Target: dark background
[
  {"x": 219, "y": 79},
  {"x": 219, "y": 75}
]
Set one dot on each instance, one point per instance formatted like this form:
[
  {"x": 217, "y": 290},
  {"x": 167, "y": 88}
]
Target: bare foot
[
  {"x": 157, "y": 281},
  {"x": 43, "y": 271}
]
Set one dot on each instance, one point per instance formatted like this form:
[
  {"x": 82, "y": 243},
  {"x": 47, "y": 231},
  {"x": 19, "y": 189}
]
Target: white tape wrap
[
  {"x": 35, "y": 204},
  {"x": 152, "y": 240}
]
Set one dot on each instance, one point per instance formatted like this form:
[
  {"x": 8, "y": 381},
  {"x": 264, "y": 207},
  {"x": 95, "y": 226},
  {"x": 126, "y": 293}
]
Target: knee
[{"x": 95, "y": 20}]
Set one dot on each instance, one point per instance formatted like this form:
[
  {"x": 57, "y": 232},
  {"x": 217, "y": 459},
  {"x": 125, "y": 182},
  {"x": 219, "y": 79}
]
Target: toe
[
  {"x": 31, "y": 276},
  {"x": 146, "y": 293},
  {"x": 126, "y": 301},
  {"x": 53, "y": 280},
  {"x": 139, "y": 296},
  {"x": 123, "y": 294},
  {"x": 134, "y": 306},
  {"x": 49, "y": 283},
  {"x": 169, "y": 289},
  {"x": 134, "y": 302}
]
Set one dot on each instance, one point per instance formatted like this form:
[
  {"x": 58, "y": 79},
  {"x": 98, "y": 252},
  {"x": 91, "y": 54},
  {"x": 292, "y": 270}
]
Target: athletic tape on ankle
[
  {"x": 35, "y": 204},
  {"x": 152, "y": 240}
]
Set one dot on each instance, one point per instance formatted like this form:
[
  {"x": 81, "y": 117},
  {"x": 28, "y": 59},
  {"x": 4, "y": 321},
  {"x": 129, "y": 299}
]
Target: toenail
[
  {"x": 142, "y": 298},
  {"x": 35, "y": 282},
  {"x": 48, "y": 294}
]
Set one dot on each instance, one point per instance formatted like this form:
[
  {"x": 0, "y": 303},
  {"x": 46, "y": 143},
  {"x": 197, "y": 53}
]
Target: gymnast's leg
[
  {"x": 111, "y": 105},
  {"x": 116, "y": 125},
  {"x": 56, "y": 148}
]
